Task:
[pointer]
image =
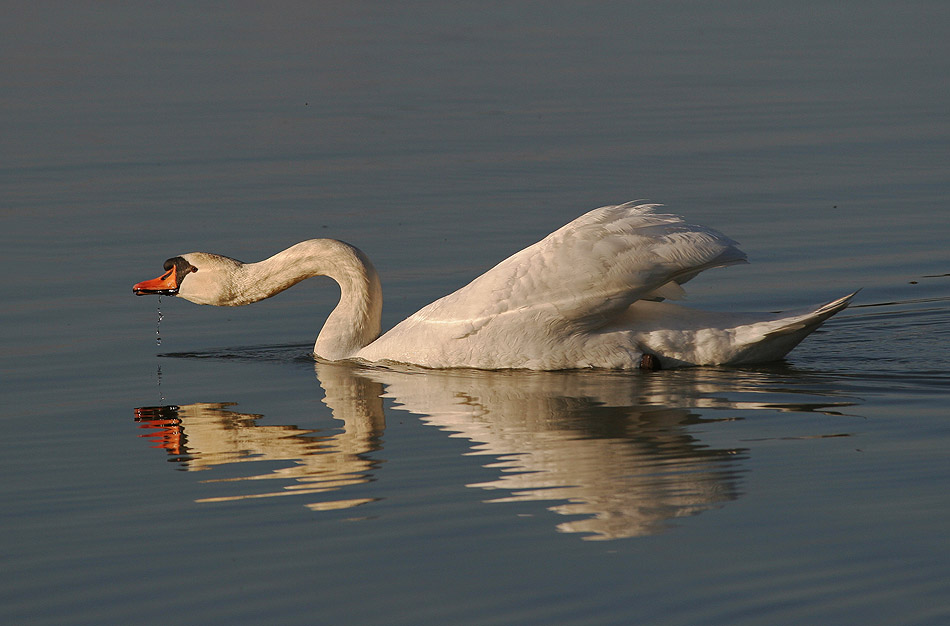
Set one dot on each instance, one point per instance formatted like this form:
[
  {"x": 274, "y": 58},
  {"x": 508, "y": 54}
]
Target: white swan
[{"x": 588, "y": 295}]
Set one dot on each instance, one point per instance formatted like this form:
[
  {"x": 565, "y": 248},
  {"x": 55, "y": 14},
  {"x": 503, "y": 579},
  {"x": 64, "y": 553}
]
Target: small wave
[
  {"x": 280, "y": 353},
  {"x": 888, "y": 345}
]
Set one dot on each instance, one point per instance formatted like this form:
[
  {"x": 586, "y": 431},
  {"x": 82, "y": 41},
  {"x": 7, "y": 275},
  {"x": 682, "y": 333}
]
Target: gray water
[{"x": 224, "y": 477}]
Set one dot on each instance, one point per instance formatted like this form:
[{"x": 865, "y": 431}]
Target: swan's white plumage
[
  {"x": 542, "y": 308},
  {"x": 590, "y": 269},
  {"x": 584, "y": 296}
]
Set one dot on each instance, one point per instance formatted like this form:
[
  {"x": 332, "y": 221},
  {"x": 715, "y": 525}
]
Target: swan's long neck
[{"x": 354, "y": 323}]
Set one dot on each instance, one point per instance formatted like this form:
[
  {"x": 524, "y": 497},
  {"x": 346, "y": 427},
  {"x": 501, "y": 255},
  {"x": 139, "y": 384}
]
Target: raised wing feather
[{"x": 590, "y": 270}]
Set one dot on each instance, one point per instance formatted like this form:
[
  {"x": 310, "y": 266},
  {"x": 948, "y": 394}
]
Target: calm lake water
[{"x": 224, "y": 477}]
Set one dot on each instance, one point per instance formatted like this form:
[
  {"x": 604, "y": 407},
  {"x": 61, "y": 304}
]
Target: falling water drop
[{"x": 158, "y": 325}]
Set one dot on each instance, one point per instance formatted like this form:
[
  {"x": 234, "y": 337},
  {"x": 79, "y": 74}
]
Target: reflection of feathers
[
  {"x": 601, "y": 444},
  {"x": 611, "y": 447}
]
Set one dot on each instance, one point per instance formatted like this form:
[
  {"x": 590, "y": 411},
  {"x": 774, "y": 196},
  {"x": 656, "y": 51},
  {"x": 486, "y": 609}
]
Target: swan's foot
[{"x": 650, "y": 362}]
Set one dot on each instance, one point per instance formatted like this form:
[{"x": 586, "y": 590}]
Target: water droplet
[{"x": 158, "y": 325}]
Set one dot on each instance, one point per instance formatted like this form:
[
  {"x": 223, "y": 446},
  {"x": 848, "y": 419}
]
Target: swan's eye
[{"x": 192, "y": 269}]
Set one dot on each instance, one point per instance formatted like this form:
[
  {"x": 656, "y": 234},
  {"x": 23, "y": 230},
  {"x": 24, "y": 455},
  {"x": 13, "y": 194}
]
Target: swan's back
[
  {"x": 545, "y": 301},
  {"x": 591, "y": 269}
]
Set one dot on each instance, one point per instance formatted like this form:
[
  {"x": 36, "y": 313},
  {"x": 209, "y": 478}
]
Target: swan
[{"x": 592, "y": 294}]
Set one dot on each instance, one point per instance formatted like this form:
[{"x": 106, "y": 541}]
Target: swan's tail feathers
[
  {"x": 812, "y": 319},
  {"x": 787, "y": 331}
]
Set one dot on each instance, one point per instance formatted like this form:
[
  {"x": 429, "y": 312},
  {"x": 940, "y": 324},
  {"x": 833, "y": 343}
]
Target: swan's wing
[{"x": 590, "y": 270}]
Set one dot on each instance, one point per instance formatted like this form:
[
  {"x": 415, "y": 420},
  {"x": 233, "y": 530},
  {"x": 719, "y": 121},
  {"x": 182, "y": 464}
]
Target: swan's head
[{"x": 197, "y": 277}]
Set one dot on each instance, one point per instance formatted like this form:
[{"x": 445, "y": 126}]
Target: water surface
[{"x": 224, "y": 476}]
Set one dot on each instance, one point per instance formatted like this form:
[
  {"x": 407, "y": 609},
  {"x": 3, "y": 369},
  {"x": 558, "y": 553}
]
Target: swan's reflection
[
  {"x": 622, "y": 463},
  {"x": 204, "y": 435},
  {"x": 611, "y": 449}
]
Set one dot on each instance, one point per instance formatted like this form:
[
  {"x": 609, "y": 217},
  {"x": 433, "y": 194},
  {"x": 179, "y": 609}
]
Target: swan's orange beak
[{"x": 164, "y": 285}]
